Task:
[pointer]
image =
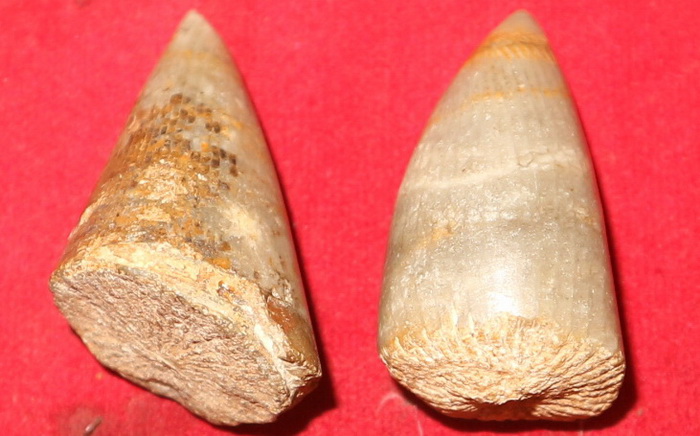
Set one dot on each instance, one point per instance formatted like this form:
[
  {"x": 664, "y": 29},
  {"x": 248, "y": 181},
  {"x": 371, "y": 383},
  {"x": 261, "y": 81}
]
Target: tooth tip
[
  {"x": 519, "y": 21},
  {"x": 194, "y": 18},
  {"x": 196, "y": 34}
]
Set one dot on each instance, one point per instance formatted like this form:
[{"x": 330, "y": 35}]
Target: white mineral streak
[
  {"x": 498, "y": 299},
  {"x": 182, "y": 274}
]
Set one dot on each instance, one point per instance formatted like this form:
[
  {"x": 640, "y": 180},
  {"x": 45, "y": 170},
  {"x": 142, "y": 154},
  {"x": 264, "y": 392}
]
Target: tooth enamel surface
[{"x": 498, "y": 299}]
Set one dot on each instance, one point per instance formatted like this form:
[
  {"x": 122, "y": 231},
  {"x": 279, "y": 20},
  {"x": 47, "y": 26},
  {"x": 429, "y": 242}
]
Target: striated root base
[
  {"x": 507, "y": 368},
  {"x": 157, "y": 327}
]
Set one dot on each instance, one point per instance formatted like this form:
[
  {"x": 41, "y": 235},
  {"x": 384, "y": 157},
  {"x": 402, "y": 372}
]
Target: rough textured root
[
  {"x": 224, "y": 363},
  {"x": 507, "y": 368}
]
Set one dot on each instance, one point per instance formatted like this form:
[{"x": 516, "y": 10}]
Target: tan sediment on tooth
[
  {"x": 498, "y": 299},
  {"x": 182, "y": 275}
]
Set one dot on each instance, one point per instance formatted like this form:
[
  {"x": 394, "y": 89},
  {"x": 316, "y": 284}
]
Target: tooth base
[
  {"x": 186, "y": 330},
  {"x": 509, "y": 368}
]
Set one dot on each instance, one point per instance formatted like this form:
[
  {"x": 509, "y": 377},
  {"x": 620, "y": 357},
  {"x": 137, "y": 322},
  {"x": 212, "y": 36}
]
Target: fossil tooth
[
  {"x": 498, "y": 298},
  {"x": 182, "y": 275}
]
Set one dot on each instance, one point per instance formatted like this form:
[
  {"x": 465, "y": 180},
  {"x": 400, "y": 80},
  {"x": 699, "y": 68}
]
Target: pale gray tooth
[
  {"x": 182, "y": 275},
  {"x": 498, "y": 299}
]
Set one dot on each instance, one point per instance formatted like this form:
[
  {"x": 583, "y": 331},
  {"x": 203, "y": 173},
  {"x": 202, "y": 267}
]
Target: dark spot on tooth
[
  {"x": 224, "y": 186},
  {"x": 216, "y": 127},
  {"x": 176, "y": 99},
  {"x": 232, "y": 159},
  {"x": 191, "y": 119},
  {"x": 233, "y": 171},
  {"x": 215, "y": 163},
  {"x": 164, "y": 130}
]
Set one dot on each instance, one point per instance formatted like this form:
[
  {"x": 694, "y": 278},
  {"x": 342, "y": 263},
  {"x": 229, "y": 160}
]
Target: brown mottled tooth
[
  {"x": 498, "y": 299},
  {"x": 182, "y": 275}
]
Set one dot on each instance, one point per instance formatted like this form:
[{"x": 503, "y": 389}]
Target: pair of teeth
[{"x": 497, "y": 302}]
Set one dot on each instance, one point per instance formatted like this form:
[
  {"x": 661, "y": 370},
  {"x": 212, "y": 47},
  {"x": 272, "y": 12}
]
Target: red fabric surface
[{"x": 344, "y": 89}]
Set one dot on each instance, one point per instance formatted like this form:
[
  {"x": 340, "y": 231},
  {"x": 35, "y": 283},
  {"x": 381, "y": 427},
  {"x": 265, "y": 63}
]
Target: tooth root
[
  {"x": 498, "y": 300},
  {"x": 182, "y": 275}
]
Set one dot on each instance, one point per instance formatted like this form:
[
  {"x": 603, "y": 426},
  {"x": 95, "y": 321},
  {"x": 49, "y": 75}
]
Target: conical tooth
[
  {"x": 182, "y": 275},
  {"x": 498, "y": 299}
]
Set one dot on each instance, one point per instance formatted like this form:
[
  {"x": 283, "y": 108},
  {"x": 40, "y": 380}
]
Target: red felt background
[{"x": 343, "y": 89}]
